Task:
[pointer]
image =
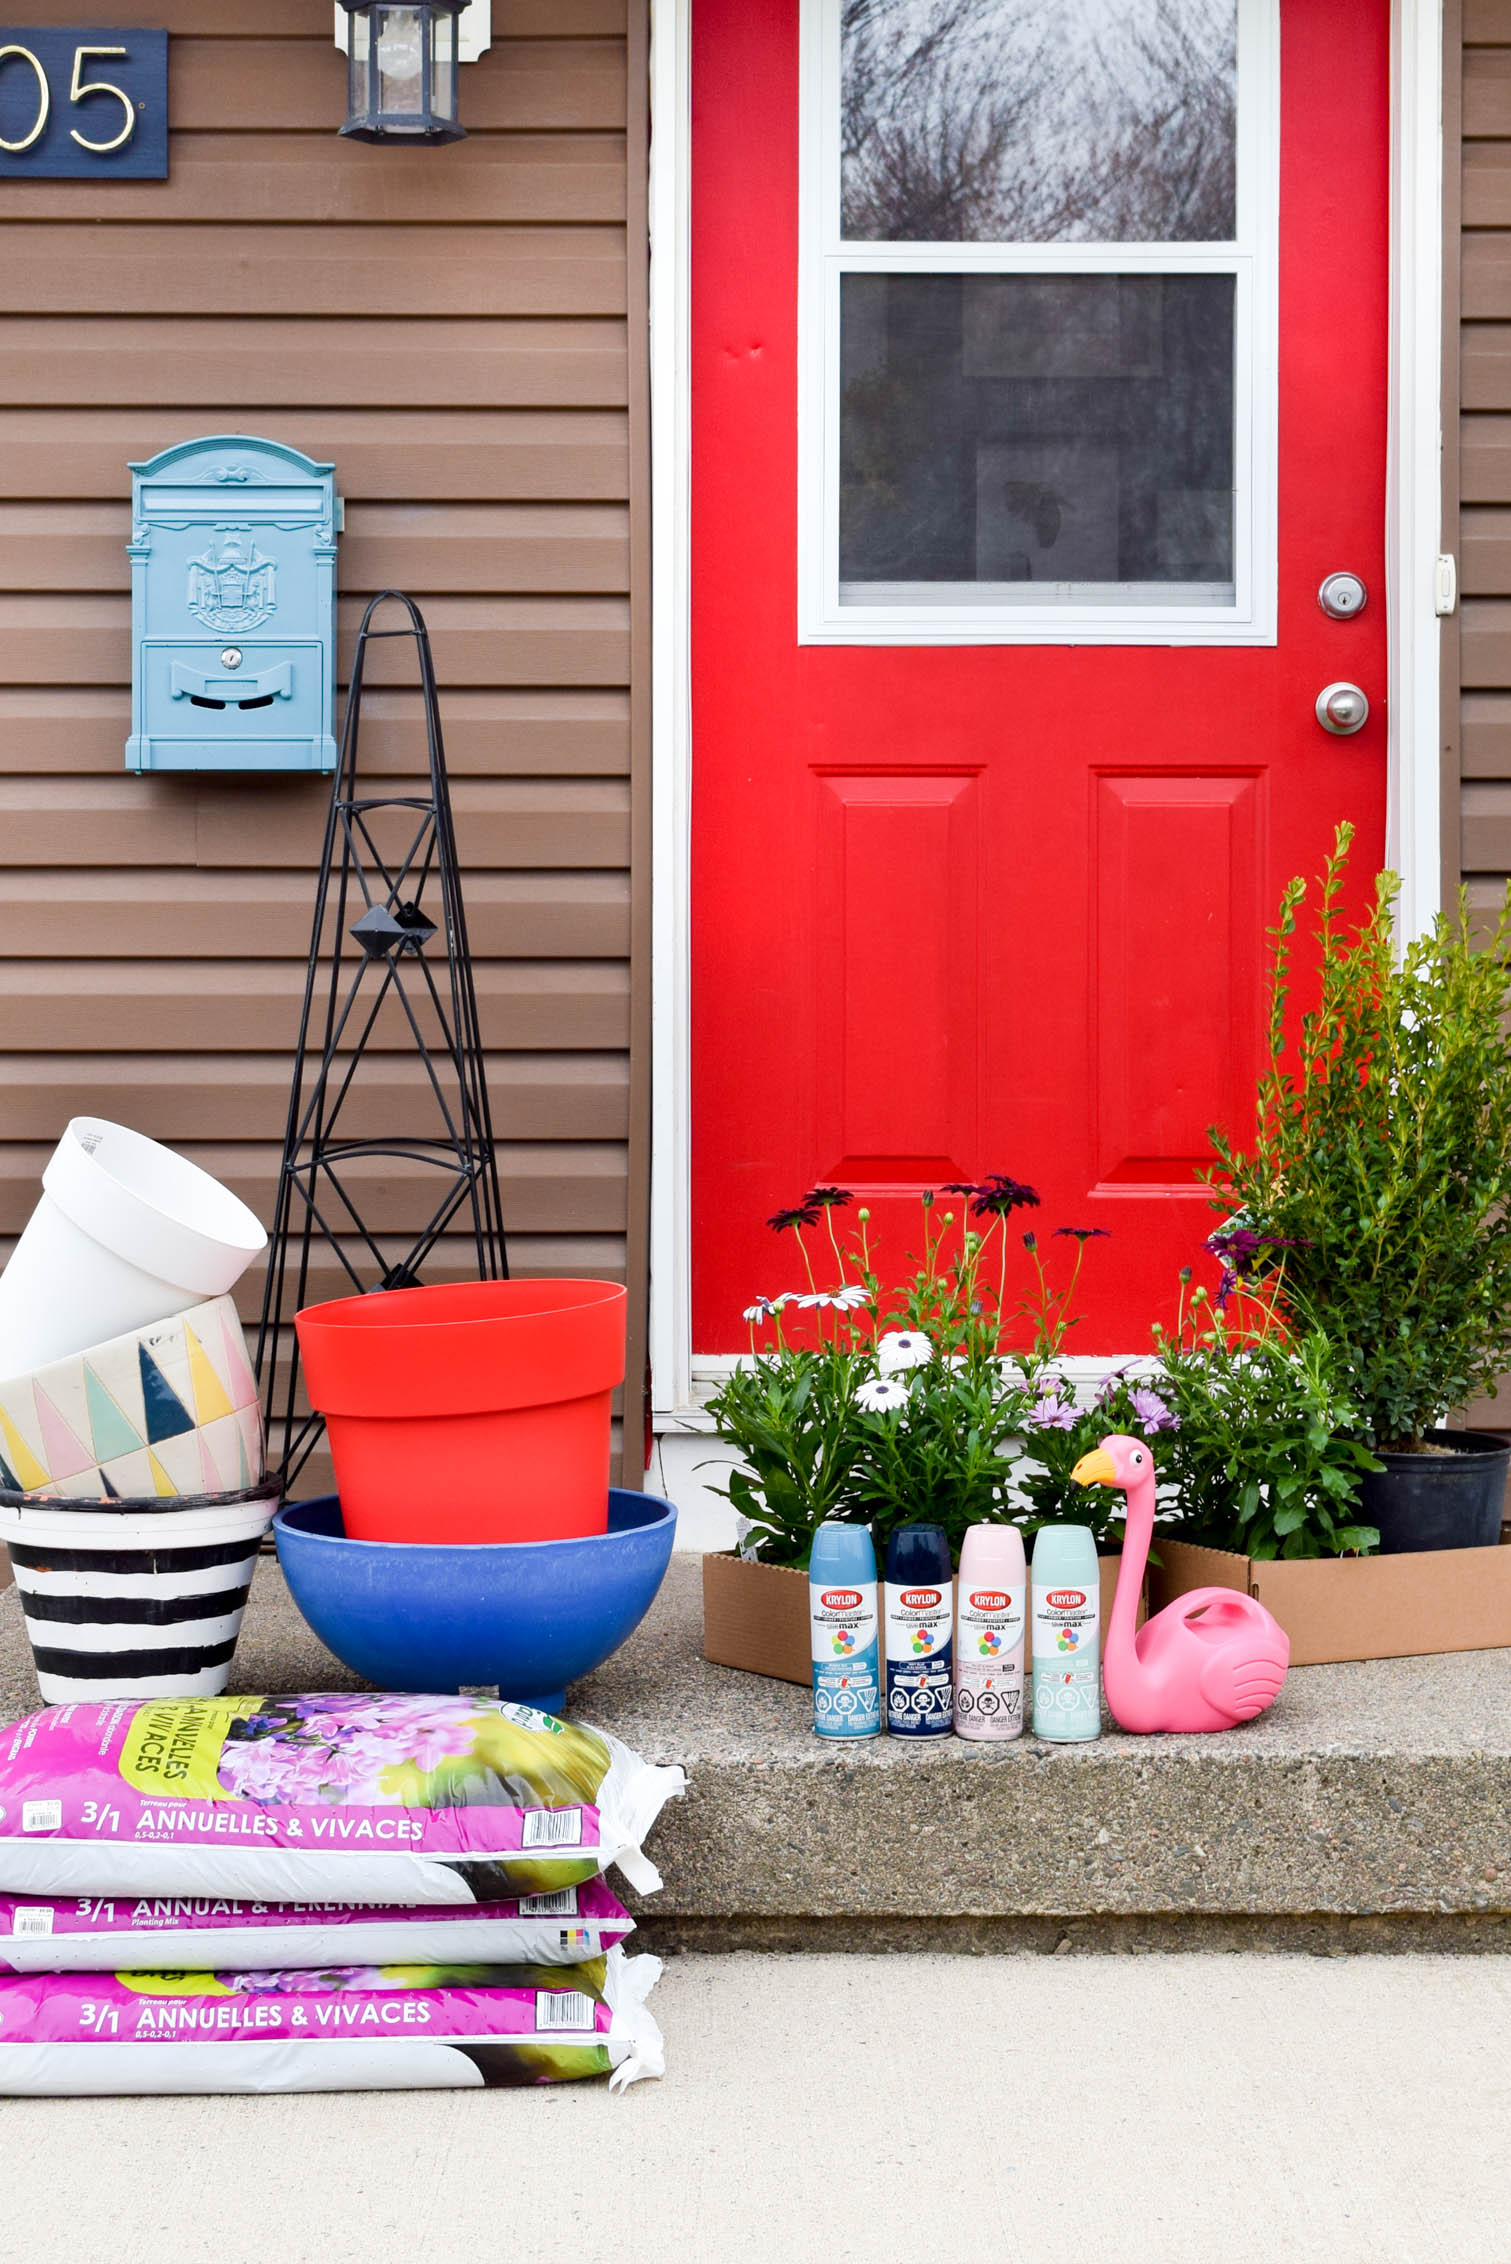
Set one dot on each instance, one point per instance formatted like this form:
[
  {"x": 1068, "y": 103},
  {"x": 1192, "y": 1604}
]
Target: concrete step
[{"x": 1370, "y": 1809}]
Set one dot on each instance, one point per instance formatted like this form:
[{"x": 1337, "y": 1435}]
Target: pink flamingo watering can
[{"x": 1211, "y": 1659}]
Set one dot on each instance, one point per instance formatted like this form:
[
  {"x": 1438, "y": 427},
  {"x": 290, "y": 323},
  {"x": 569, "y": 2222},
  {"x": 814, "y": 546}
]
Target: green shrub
[{"x": 1380, "y": 1176}]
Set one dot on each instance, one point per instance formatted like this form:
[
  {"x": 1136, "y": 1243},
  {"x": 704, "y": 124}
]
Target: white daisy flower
[
  {"x": 762, "y": 1309},
  {"x": 901, "y": 1349},
  {"x": 882, "y": 1395},
  {"x": 852, "y": 1297},
  {"x": 815, "y": 1297}
]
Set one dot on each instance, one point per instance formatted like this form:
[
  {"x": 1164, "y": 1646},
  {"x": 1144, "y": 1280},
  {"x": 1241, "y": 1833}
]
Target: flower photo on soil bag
[{"x": 368, "y": 1796}]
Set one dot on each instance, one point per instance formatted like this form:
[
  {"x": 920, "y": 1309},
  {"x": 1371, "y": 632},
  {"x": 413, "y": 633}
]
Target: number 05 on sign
[{"x": 83, "y": 103}]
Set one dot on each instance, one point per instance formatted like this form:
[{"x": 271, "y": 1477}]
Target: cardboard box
[
  {"x": 755, "y": 1616},
  {"x": 1381, "y": 1607}
]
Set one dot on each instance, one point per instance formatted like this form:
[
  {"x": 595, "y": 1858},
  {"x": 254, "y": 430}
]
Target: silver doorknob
[{"x": 1342, "y": 709}]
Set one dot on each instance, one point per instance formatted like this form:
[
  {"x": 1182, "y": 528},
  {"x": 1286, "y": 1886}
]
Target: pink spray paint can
[{"x": 989, "y": 1628}]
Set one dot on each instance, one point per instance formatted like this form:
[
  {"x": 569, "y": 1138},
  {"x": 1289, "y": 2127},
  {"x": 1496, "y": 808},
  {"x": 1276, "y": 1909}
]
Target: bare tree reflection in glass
[{"x": 1038, "y": 121}]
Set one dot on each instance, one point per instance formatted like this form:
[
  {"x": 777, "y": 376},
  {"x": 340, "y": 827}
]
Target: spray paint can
[
  {"x": 920, "y": 1617},
  {"x": 1067, "y": 1611},
  {"x": 989, "y": 1627},
  {"x": 842, "y": 1621}
]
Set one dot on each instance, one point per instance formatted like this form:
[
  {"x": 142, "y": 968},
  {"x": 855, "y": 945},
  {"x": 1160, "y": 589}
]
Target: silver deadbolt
[
  {"x": 231, "y": 656},
  {"x": 1342, "y": 709},
  {"x": 1342, "y": 596}
]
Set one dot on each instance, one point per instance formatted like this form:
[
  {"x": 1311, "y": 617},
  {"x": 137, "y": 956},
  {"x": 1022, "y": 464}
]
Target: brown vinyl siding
[
  {"x": 1477, "y": 467},
  {"x": 462, "y": 331},
  {"x": 1478, "y": 483}
]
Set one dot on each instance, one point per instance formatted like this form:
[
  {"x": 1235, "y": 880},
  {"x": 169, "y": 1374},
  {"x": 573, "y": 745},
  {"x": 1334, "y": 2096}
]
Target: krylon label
[
  {"x": 1065, "y": 1625},
  {"x": 918, "y": 1621},
  {"x": 991, "y": 1624}
]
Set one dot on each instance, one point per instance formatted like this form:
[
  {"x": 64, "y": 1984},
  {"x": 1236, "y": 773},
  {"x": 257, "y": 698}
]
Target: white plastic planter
[
  {"x": 126, "y": 1233},
  {"x": 135, "y": 1602}
]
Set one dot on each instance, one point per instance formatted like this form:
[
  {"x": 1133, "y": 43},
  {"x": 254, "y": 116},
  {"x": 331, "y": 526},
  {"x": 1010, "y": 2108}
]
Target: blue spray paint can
[
  {"x": 842, "y": 1621},
  {"x": 920, "y": 1629}
]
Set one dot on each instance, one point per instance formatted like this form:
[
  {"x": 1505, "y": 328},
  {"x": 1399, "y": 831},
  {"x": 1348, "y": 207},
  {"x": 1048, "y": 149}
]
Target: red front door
[{"x": 986, "y": 891}]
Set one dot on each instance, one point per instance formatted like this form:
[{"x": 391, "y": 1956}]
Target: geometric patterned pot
[{"x": 171, "y": 1409}]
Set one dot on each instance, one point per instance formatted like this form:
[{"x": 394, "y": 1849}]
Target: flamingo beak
[{"x": 1095, "y": 1470}]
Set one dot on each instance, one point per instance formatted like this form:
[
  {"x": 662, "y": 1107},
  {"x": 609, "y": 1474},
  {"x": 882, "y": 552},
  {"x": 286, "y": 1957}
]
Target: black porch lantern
[{"x": 401, "y": 70}]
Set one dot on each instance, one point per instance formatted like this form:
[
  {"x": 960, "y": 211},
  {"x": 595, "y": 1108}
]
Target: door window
[{"x": 1038, "y": 317}]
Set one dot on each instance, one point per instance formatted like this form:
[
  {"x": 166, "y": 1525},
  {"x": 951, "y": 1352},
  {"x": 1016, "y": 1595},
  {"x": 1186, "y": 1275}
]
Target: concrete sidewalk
[{"x": 1160, "y": 2110}]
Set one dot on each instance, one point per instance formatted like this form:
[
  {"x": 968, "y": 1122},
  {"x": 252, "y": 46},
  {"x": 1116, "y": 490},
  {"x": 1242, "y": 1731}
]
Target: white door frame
[
  {"x": 1413, "y": 584},
  {"x": 1414, "y": 464},
  {"x": 671, "y": 713}
]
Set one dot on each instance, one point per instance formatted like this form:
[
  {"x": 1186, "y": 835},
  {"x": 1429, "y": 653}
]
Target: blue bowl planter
[{"x": 525, "y": 1616}]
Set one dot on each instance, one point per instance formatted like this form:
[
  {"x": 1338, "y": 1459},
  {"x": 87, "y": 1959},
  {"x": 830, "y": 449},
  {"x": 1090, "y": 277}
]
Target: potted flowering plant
[
  {"x": 883, "y": 1404},
  {"x": 1264, "y": 1475},
  {"x": 1263, "y": 1456},
  {"x": 871, "y": 1403},
  {"x": 1380, "y": 1178}
]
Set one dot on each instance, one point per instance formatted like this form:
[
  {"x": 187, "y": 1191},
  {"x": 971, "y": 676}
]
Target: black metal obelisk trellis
[{"x": 382, "y": 853}]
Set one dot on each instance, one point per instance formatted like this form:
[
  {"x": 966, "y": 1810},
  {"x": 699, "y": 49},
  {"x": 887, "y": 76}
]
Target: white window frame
[{"x": 1253, "y": 260}]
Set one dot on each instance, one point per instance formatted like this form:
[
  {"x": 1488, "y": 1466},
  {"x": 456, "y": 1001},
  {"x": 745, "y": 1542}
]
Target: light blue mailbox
[{"x": 233, "y": 608}]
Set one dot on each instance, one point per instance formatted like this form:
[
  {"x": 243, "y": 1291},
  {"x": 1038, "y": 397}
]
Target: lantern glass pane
[
  {"x": 359, "y": 92},
  {"x": 443, "y": 76},
  {"x": 401, "y": 68}
]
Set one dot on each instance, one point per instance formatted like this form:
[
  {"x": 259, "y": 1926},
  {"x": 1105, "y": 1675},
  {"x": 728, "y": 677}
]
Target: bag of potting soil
[
  {"x": 370, "y": 1796},
  {"x": 133, "y": 1933},
  {"x": 348, "y": 2028}
]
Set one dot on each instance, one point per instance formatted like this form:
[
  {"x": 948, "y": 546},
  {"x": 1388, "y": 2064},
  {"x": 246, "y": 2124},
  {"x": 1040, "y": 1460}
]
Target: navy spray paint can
[{"x": 919, "y": 1610}]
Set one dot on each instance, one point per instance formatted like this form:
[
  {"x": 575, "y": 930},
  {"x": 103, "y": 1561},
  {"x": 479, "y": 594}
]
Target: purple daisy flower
[
  {"x": 998, "y": 1196},
  {"x": 1053, "y": 1415},
  {"x": 1152, "y": 1411},
  {"x": 1244, "y": 1250}
]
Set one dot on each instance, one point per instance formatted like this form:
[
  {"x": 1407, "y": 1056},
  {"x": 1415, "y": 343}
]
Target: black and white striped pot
[{"x": 134, "y": 1599}]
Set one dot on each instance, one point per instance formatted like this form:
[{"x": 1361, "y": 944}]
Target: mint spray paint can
[
  {"x": 920, "y": 1617},
  {"x": 1067, "y": 1613},
  {"x": 842, "y": 1622}
]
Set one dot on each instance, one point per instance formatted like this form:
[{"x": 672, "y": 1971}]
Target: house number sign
[{"x": 83, "y": 105}]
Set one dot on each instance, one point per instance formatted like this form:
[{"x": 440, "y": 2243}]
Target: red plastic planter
[{"x": 474, "y": 1413}]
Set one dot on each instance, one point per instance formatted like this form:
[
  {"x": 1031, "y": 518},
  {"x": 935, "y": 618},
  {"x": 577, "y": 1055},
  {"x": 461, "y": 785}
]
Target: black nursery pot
[{"x": 1439, "y": 1501}]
